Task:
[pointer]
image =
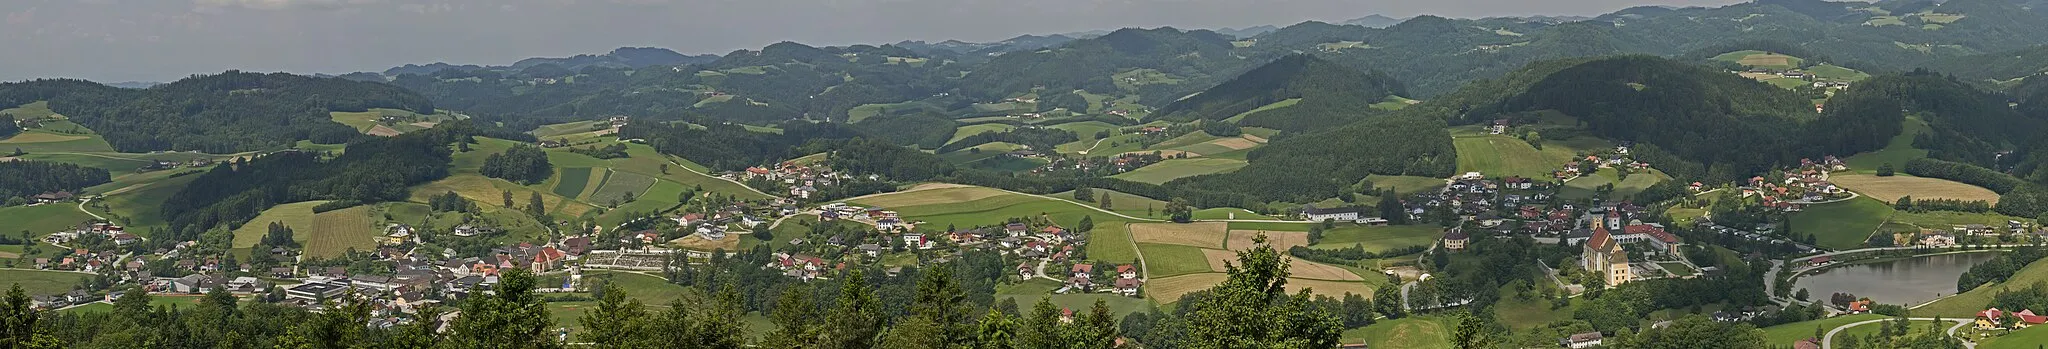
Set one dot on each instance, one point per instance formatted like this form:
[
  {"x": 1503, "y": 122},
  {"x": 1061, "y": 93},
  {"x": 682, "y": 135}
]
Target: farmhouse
[
  {"x": 1315, "y": 214},
  {"x": 53, "y": 197},
  {"x": 1581, "y": 341}
]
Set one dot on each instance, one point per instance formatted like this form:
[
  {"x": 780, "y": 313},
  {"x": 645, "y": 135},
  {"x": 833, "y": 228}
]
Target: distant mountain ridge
[{"x": 623, "y": 57}]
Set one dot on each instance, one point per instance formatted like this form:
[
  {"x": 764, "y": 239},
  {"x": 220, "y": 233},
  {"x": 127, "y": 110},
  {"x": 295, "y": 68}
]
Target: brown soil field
[
  {"x": 1204, "y": 235},
  {"x": 1890, "y": 189},
  {"x": 381, "y": 130},
  {"x": 1235, "y": 143},
  {"x": 1219, "y": 261}
]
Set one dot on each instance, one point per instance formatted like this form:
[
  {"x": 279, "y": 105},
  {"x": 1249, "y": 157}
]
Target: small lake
[{"x": 1907, "y": 281}]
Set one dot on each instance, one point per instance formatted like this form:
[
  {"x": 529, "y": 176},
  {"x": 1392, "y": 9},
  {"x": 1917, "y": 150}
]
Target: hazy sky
[{"x": 160, "y": 40}]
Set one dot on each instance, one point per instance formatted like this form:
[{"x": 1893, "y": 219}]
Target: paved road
[
  {"x": 672, "y": 161},
  {"x": 1828, "y": 341}
]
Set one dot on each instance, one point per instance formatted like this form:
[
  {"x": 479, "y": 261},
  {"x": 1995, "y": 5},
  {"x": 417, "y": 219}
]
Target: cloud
[{"x": 282, "y": 4}]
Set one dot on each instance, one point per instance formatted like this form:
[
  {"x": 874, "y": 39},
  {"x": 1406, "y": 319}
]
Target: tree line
[
  {"x": 223, "y": 113},
  {"x": 21, "y": 179}
]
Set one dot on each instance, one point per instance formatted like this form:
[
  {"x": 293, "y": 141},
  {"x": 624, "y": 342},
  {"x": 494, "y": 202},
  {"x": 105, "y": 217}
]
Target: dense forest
[
  {"x": 373, "y": 169},
  {"x": 8, "y": 126},
  {"x": 222, "y": 113},
  {"x": 20, "y": 179},
  {"x": 1311, "y": 79},
  {"x": 1317, "y": 165},
  {"x": 521, "y": 164}
]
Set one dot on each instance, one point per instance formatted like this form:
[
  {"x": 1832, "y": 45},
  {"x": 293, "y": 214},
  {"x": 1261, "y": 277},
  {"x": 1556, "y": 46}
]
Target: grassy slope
[
  {"x": 1179, "y": 168},
  {"x": 1969, "y": 303},
  {"x": 1787, "y": 334},
  {"x": 1109, "y": 242},
  {"x": 41, "y": 219},
  {"x": 298, "y": 216},
  {"x": 1419, "y": 332},
  {"x": 970, "y": 130},
  {"x": 1379, "y": 238},
  {"x": 1897, "y": 152},
  {"x": 1841, "y": 225},
  {"x": 2030, "y": 338},
  {"x": 1276, "y": 105},
  {"x": 38, "y": 282}
]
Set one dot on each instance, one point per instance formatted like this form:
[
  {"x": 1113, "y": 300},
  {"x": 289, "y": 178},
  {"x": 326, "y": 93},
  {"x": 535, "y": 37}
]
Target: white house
[{"x": 1316, "y": 214}]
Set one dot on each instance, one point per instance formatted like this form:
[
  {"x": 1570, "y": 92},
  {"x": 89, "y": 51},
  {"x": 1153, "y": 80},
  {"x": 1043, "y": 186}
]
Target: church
[{"x": 1604, "y": 256}]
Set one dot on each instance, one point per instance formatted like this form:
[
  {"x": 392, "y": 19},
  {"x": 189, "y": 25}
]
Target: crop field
[
  {"x": 1241, "y": 240},
  {"x": 1890, "y": 189},
  {"x": 1169, "y": 170},
  {"x": 566, "y": 128},
  {"x": 1422, "y": 332},
  {"x": 1192, "y": 138},
  {"x": 1203, "y": 235},
  {"x": 1841, "y": 225},
  {"x": 1219, "y": 261},
  {"x": 335, "y": 232},
  {"x": 298, "y": 216},
  {"x": 624, "y": 187},
  {"x": 1379, "y": 238},
  {"x": 573, "y": 181},
  {"x": 970, "y": 130},
  {"x": 1164, "y": 260},
  {"x": 41, "y": 282}
]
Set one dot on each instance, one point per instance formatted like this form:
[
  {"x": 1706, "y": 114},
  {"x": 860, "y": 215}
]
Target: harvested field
[
  {"x": 1170, "y": 289},
  {"x": 39, "y": 137},
  {"x": 1204, "y": 235},
  {"x": 1890, "y": 189},
  {"x": 1219, "y": 261},
  {"x": 1241, "y": 240},
  {"x": 1240, "y": 143},
  {"x": 335, "y": 232},
  {"x": 1166, "y": 153},
  {"x": 1335, "y": 289},
  {"x": 381, "y": 130}
]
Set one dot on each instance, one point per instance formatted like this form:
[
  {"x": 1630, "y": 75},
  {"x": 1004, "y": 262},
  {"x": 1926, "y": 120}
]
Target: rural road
[
  {"x": 1098, "y": 143},
  {"x": 1828, "y": 341},
  {"x": 673, "y": 161},
  {"x": 81, "y": 208}
]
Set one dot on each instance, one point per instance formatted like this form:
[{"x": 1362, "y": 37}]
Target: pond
[{"x": 1907, "y": 281}]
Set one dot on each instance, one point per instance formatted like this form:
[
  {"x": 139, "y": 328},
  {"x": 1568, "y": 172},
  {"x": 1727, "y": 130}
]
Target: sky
[{"x": 163, "y": 40}]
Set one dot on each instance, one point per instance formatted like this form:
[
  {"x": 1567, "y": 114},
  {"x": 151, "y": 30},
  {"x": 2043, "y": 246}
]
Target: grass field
[
  {"x": 1841, "y": 225},
  {"x": 1169, "y": 170},
  {"x": 1276, "y": 105},
  {"x": 1132, "y": 205},
  {"x": 1761, "y": 59},
  {"x": 1203, "y": 235},
  {"x": 1871, "y": 329},
  {"x": 1086, "y": 130},
  {"x": 1890, "y": 189},
  {"x": 1501, "y": 155},
  {"x": 1587, "y": 185},
  {"x": 970, "y": 130},
  {"x": 2030, "y": 338},
  {"x": 298, "y": 216},
  {"x": 1787, "y": 334},
  {"x": 573, "y": 180},
  {"x": 1242, "y": 240},
  {"x": 622, "y": 187},
  {"x": 943, "y": 195},
  {"x": 653, "y": 292},
  {"x": 1380, "y": 238},
  {"x": 1419, "y": 332},
  {"x": 1967, "y": 304},
  {"x": 336, "y": 232},
  {"x": 1835, "y": 72},
  {"x": 1170, "y": 289},
  {"x": 1228, "y": 213},
  {"x": 40, "y": 282},
  {"x": 567, "y": 128},
  {"x": 1405, "y": 185},
  {"x": 1166, "y": 260},
  {"x": 41, "y": 219},
  {"x": 32, "y": 110},
  {"x": 1897, "y": 152},
  {"x": 1192, "y": 138}
]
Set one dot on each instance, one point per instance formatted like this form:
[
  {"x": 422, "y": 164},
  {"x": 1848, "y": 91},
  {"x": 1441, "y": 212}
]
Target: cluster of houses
[
  {"x": 1806, "y": 185},
  {"x": 1082, "y": 279},
  {"x": 1619, "y": 158},
  {"x": 1760, "y": 233},
  {"x": 114, "y": 233},
  {"x": 802, "y": 180},
  {"x": 1994, "y": 319},
  {"x": 160, "y": 165}
]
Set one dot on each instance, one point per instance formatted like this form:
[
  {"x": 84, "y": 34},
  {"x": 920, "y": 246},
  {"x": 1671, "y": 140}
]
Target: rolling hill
[{"x": 1319, "y": 86}]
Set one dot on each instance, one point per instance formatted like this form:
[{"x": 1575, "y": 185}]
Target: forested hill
[
  {"x": 1092, "y": 64},
  {"x": 1311, "y": 79},
  {"x": 223, "y": 113}
]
